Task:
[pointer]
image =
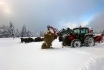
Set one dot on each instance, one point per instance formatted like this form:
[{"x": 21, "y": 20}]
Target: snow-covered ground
[{"x": 15, "y": 55}]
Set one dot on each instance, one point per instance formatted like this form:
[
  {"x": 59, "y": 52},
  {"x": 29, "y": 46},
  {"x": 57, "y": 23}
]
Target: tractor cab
[{"x": 81, "y": 30}]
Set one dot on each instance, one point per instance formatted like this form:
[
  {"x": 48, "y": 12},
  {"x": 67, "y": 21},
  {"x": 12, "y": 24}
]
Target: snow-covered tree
[
  {"x": 24, "y": 32},
  {"x": 37, "y": 34},
  {"x": 1, "y": 31},
  {"x": 103, "y": 32},
  {"x": 100, "y": 32},
  {"x": 42, "y": 33},
  {"x": 4, "y": 31},
  {"x": 30, "y": 33},
  {"x": 17, "y": 33},
  {"x": 12, "y": 30},
  {"x": 9, "y": 31}
]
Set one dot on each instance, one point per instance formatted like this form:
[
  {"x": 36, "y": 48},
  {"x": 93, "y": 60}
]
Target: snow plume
[
  {"x": 84, "y": 24},
  {"x": 70, "y": 25},
  {"x": 97, "y": 22},
  {"x": 75, "y": 24}
]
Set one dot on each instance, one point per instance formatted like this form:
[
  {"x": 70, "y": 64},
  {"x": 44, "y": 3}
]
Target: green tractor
[{"x": 77, "y": 37}]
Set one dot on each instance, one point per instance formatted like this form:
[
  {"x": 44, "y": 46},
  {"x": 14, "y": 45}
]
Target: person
[{"x": 48, "y": 39}]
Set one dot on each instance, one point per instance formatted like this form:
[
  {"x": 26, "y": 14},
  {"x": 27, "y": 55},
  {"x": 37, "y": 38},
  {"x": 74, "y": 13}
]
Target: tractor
[{"x": 78, "y": 37}]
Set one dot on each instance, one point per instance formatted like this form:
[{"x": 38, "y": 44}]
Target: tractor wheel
[
  {"x": 89, "y": 41},
  {"x": 63, "y": 44},
  {"x": 65, "y": 41},
  {"x": 76, "y": 43}
]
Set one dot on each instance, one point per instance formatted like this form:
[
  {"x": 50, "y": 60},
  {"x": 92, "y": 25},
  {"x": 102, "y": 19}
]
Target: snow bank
[
  {"x": 97, "y": 34},
  {"x": 94, "y": 63}
]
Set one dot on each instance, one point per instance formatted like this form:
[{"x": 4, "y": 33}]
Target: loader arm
[{"x": 54, "y": 30}]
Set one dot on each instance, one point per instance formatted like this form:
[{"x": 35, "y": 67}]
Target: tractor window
[
  {"x": 77, "y": 31},
  {"x": 86, "y": 31},
  {"x": 83, "y": 31}
]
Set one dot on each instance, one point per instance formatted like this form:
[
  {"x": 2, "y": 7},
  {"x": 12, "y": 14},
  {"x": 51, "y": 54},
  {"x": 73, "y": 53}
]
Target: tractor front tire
[
  {"x": 64, "y": 42},
  {"x": 76, "y": 43}
]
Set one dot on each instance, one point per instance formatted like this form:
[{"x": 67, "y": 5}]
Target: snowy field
[{"x": 15, "y": 55}]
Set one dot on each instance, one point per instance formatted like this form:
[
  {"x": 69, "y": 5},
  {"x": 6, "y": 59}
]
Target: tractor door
[
  {"x": 80, "y": 33},
  {"x": 83, "y": 32}
]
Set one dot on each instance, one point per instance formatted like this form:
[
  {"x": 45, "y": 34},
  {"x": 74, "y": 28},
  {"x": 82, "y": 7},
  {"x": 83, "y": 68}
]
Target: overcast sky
[{"x": 37, "y": 14}]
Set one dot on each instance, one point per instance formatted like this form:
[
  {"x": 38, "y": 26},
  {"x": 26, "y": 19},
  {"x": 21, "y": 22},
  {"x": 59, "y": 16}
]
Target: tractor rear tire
[
  {"x": 76, "y": 43},
  {"x": 89, "y": 41}
]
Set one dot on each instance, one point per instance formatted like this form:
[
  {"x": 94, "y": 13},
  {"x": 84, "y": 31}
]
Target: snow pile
[
  {"x": 97, "y": 34},
  {"x": 29, "y": 56},
  {"x": 94, "y": 63}
]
